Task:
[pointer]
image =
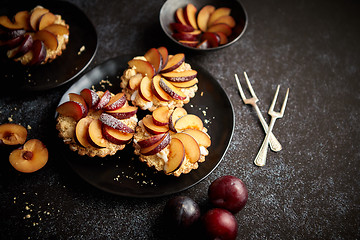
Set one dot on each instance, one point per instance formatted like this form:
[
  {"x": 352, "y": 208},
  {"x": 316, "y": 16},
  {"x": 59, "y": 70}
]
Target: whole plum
[
  {"x": 182, "y": 211},
  {"x": 228, "y": 192},
  {"x": 220, "y": 224}
]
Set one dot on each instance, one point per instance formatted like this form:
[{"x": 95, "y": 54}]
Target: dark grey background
[{"x": 309, "y": 190}]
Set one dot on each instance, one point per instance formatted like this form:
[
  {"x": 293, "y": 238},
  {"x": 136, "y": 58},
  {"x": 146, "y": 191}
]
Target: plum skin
[
  {"x": 219, "y": 223},
  {"x": 182, "y": 211},
  {"x": 228, "y": 192}
]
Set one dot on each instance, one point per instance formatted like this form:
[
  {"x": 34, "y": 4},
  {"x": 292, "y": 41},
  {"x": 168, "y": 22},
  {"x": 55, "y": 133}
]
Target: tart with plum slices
[
  {"x": 96, "y": 123},
  {"x": 159, "y": 79},
  {"x": 34, "y": 37},
  {"x": 171, "y": 140}
]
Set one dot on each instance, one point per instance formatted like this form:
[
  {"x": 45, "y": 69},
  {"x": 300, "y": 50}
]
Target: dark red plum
[
  {"x": 220, "y": 224},
  {"x": 228, "y": 192},
  {"x": 182, "y": 211}
]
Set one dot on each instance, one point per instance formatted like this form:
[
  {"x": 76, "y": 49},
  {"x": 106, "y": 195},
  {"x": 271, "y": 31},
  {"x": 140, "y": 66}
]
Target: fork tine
[
  {"x": 271, "y": 109},
  {"x": 284, "y": 103},
  {"x": 240, "y": 89},
  {"x": 249, "y": 85}
]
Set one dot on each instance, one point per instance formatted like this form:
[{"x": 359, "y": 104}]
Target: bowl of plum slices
[{"x": 203, "y": 25}]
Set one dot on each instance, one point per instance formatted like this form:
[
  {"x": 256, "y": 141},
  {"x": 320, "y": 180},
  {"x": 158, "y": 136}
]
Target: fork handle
[
  {"x": 260, "y": 159},
  {"x": 274, "y": 143}
]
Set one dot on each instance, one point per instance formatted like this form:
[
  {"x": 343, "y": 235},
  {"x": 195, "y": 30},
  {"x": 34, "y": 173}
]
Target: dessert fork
[
  {"x": 260, "y": 159},
  {"x": 274, "y": 143}
]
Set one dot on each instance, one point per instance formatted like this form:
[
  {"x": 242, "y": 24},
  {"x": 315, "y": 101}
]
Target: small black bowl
[{"x": 167, "y": 16}]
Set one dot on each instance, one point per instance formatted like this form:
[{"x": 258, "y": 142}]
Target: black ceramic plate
[
  {"x": 65, "y": 67},
  {"x": 123, "y": 174},
  {"x": 238, "y": 12}
]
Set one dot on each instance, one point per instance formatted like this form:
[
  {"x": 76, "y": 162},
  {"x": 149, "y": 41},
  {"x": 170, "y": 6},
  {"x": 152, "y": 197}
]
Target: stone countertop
[{"x": 309, "y": 190}]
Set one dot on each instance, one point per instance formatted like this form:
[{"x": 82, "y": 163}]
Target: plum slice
[
  {"x": 135, "y": 81},
  {"x": 175, "y": 115},
  {"x": 180, "y": 76},
  {"x": 143, "y": 67},
  {"x": 192, "y": 149},
  {"x": 12, "y": 134},
  {"x": 203, "y": 16},
  {"x": 158, "y": 91},
  {"x": 23, "y": 19},
  {"x": 82, "y": 131},
  {"x": 190, "y": 15},
  {"x": 145, "y": 89},
  {"x": 186, "y": 84},
  {"x": 147, "y": 142},
  {"x": 228, "y": 20},
  {"x": 104, "y": 100},
  {"x": 151, "y": 127},
  {"x": 96, "y": 134},
  {"x": 24, "y": 47},
  {"x": 161, "y": 116},
  {"x": 179, "y": 16},
  {"x": 174, "y": 62},
  {"x": 219, "y": 12},
  {"x": 115, "y": 123},
  {"x": 30, "y": 158},
  {"x": 173, "y": 91},
  {"x": 7, "y": 23},
  {"x": 157, "y": 147},
  {"x": 176, "y": 156},
  {"x": 201, "y": 138},
  {"x": 123, "y": 112},
  {"x": 116, "y": 102},
  {"x": 57, "y": 29},
  {"x": 48, "y": 38},
  {"x": 39, "y": 53},
  {"x": 189, "y": 121},
  {"x": 91, "y": 98},
  {"x": 72, "y": 109},
  {"x": 35, "y": 17},
  {"x": 154, "y": 57},
  {"x": 116, "y": 136},
  {"x": 179, "y": 27},
  {"x": 220, "y": 27},
  {"x": 165, "y": 55},
  {"x": 189, "y": 43},
  {"x": 46, "y": 20}
]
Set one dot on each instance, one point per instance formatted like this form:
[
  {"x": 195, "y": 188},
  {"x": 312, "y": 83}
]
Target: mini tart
[
  {"x": 51, "y": 52},
  {"x": 67, "y": 124},
  {"x": 161, "y": 160},
  {"x": 133, "y": 92}
]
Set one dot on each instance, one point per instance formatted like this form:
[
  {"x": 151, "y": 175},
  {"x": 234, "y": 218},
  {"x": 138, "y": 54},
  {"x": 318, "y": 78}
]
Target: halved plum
[
  {"x": 12, "y": 134},
  {"x": 31, "y": 157}
]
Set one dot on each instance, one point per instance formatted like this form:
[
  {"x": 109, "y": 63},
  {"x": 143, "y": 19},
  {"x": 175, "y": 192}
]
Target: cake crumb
[{"x": 82, "y": 49}]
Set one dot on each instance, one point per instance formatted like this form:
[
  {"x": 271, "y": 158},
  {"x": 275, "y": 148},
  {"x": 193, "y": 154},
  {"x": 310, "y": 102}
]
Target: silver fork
[
  {"x": 260, "y": 159},
  {"x": 274, "y": 143}
]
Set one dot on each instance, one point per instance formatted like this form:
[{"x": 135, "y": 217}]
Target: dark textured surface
[{"x": 309, "y": 190}]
